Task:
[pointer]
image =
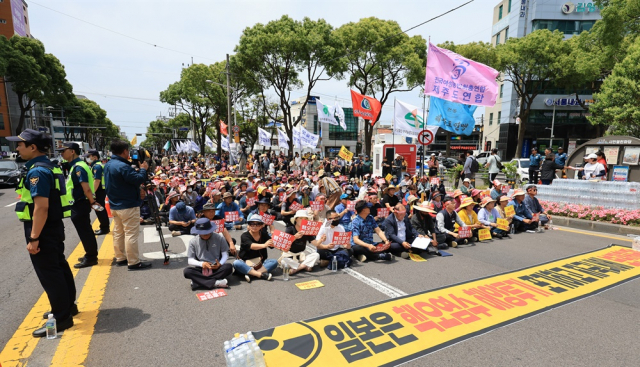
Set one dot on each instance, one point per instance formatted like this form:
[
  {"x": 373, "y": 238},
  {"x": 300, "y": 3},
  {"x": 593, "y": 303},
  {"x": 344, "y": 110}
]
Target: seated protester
[
  {"x": 497, "y": 190},
  {"x": 287, "y": 213},
  {"x": 244, "y": 208},
  {"x": 304, "y": 197},
  {"x": 363, "y": 228},
  {"x": 411, "y": 201},
  {"x": 398, "y": 229},
  {"x": 209, "y": 212},
  {"x": 389, "y": 199},
  {"x": 457, "y": 197},
  {"x": 423, "y": 221},
  {"x": 297, "y": 258},
  {"x": 503, "y": 201},
  {"x": 207, "y": 256},
  {"x": 424, "y": 186},
  {"x": 344, "y": 213},
  {"x": 413, "y": 190},
  {"x": 216, "y": 197},
  {"x": 326, "y": 249},
  {"x": 372, "y": 198},
  {"x": 436, "y": 200},
  {"x": 445, "y": 221},
  {"x": 489, "y": 215},
  {"x": 276, "y": 204},
  {"x": 477, "y": 196},
  {"x": 253, "y": 257},
  {"x": 466, "y": 187},
  {"x": 145, "y": 210},
  {"x": 522, "y": 219},
  {"x": 189, "y": 196},
  {"x": 264, "y": 207},
  {"x": 240, "y": 190},
  {"x": 181, "y": 219},
  {"x": 469, "y": 217},
  {"x": 201, "y": 199},
  {"x": 228, "y": 205},
  {"x": 534, "y": 206}
]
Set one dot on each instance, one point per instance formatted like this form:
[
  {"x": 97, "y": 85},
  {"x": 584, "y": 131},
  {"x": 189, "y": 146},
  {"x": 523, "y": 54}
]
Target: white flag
[
  {"x": 225, "y": 143},
  {"x": 326, "y": 113},
  {"x": 181, "y": 148},
  {"x": 407, "y": 120},
  {"x": 308, "y": 139},
  {"x": 296, "y": 137},
  {"x": 340, "y": 112},
  {"x": 208, "y": 142},
  {"x": 264, "y": 138},
  {"x": 195, "y": 147},
  {"x": 283, "y": 139}
]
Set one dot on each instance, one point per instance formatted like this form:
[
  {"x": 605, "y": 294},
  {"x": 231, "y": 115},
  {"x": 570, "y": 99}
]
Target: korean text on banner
[
  {"x": 283, "y": 139},
  {"x": 251, "y": 201},
  {"x": 219, "y": 223},
  {"x": 509, "y": 210},
  {"x": 366, "y": 107},
  {"x": 451, "y": 116},
  {"x": 457, "y": 79},
  {"x": 316, "y": 205},
  {"x": 310, "y": 227},
  {"x": 502, "y": 224},
  {"x": 282, "y": 240},
  {"x": 326, "y": 113},
  {"x": 295, "y": 206},
  {"x": 484, "y": 234},
  {"x": 231, "y": 216},
  {"x": 351, "y": 205},
  {"x": 211, "y": 294},
  {"x": 464, "y": 232},
  {"x": 383, "y": 212},
  {"x": 267, "y": 218},
  {"x": 264, "y": 138},
  {"x": 345, "y": 154},
  {"x": 341, "y": 238}
]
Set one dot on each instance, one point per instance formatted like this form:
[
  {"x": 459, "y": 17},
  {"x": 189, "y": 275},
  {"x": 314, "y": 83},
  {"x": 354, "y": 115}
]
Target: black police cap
[
  {"x": 30, "y": 136},
  {"x": 68, "y": 145}
]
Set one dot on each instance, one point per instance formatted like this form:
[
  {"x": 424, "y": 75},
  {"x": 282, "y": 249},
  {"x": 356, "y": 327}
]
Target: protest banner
[
  {"x": 216, "y": 293},
  {"x": 310, "y": 227},
  {"x": 317, "y": 205},
  {"x": 383, "y": 212},
  {"x": 435, "y": 181},
  {"x": 219, "y": 223},
  {"x": 251, "y": 201},
  {"x": 464, "y": 232},
  {"x": 231, "y": 216},
  {"x": 351, "y": 205},
  {"x": 267, "y": 218},
  {"x": 484, "y": 234},
  {"x": 282, "y": 240},
  {"x": 345, "y": 154},
  {"x": 295, "y": 206},
  {"x": 503, "y": 224},
  {"x": 341, "y": 238},
  {"x": 509, "y": 210},
  {"x": 309, "y": 285}
]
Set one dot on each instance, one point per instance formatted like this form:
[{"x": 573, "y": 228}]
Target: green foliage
[
  {"x": 618, "y": 102},
  {"x": 453, "y": 173},
  {"x": 379, "y": 61},
  {"x": 85, "y": 112},
  {"x": 482, "y": 52},
  {"x": 510, "y": 170}
]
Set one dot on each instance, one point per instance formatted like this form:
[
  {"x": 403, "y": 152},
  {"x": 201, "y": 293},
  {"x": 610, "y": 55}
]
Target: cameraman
[{"x": 123, "y": 189}]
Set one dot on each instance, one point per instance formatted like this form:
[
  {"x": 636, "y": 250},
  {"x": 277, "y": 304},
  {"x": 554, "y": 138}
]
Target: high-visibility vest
[
  {"x": 101, "y": 165},
  {"x": 87, "y": 169},
  {"x": 24, "y": 209}
]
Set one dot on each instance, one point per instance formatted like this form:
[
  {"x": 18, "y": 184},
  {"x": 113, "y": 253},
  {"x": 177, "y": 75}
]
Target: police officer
[
  {"x": 42, "y": 206},
  {"x": 534, "y": 165},
  {"x": 80, "y": 188},
  {"x": 97, "y": 169}
]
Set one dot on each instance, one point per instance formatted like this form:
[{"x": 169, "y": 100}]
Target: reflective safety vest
[
  {"x": 24, "y": 209},
  {"x": 101, "y": 165},
  {"x": 87, "y": 169}
]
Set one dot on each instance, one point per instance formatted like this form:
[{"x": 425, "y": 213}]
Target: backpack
[
  {"x": 343, "y": 259},
  {"x": 475, "y": 167}
]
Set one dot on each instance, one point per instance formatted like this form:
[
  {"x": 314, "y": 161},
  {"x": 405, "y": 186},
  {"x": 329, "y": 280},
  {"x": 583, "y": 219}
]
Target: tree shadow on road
[{"x": 117, "y": 320}]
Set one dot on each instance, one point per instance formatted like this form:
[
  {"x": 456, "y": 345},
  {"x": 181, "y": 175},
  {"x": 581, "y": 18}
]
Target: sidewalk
[{"x": 603, "y": 227}]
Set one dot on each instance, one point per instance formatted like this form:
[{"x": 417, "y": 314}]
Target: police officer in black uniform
[
  {"x": 80, "y": 177},
  {"x": 42, "y": 206},
  {"x": 97, "y": 168}
]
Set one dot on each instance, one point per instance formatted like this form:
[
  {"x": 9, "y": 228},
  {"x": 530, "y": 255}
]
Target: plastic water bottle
[
  {"x": 50, "y": 326},
  {"x": 233, "y": 362},
  {"x": 285, "y": 272},
  {"x": 334, "y": 264},
  {"x": 258, "y": 357},
  {"x": 636, "y": 243},
  {"x": 540, "y": 228}
]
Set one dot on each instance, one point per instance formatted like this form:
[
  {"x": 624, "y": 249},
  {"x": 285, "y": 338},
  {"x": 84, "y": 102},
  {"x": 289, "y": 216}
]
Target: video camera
[{"x": 142, "y": 155}]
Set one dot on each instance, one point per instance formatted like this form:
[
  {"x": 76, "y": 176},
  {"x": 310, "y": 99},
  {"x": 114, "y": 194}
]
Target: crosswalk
[{"x": 150, "y": 235}]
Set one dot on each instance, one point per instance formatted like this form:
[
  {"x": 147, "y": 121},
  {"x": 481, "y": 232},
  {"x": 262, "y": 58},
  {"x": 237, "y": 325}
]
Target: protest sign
[
  {"x": 281, "y": 196},
  {"x": 351, "y": 206},
  {"x": 417, "y": 258},
  {"x": 267, "y": 218},
  {"x": 381, "y": 181},
  {"x": 464, "y": 232},
  {"x": 345, "y": 154},
  {"x": 282, "y": 240},
  {"x": 506, "y": 189},
  {"x": 535, "y": 217},
  {"x": 484, "y": 234},
  {"x": 381, "y": 247},
  {"x": 219, "y": 223},
  {"x": 310, "y": 228},
  {"x": 316, "y": 205},
  {"x": 509, "y": 210},
  {"x": 341, "y": 238},
  {"x": 388, "y": 177},
  {"x": 421, "y": 243},
  {"x": 216, "y": 293},
  {"x": 309, "y": 285},
  {"x": 295, "y": 206},
  {"x": 251, "y": 201},
  {"x": 383, "y": 212},
  {"x": 435, "y": 181},
  {"x": 231, "y": 216},
  {"x": 503, "y": 224}
]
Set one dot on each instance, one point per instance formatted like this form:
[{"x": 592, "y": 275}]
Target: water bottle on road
[
  {"x": 50, "y": 326},
  {"x": 334, "y": 265},
  {"x": 285, "y": 272}
]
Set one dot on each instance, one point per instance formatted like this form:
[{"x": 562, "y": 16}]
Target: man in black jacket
[{"x": 398, "y": 229}]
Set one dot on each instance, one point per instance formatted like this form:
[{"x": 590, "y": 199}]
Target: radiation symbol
[{"x": 295, "y": 344}]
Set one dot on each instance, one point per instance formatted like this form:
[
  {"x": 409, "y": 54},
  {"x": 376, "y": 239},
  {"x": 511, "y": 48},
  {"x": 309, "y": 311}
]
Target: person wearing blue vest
[
  {"x": 42, "y": 206},
  {"x": 80, "y": 184},
  {"x": 97, "y": 169},
  {"x": 534, "y": 165}
]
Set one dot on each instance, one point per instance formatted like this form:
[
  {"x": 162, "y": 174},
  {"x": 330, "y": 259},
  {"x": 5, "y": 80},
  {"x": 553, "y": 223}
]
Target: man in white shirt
[{"x": 324, "y": 240}]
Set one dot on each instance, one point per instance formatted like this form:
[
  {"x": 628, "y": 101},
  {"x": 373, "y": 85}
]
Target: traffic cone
[{"x": 107, "y": 207}]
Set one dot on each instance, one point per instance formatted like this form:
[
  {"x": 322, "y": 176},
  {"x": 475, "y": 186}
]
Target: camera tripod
[{"x": 155, "y": 214}]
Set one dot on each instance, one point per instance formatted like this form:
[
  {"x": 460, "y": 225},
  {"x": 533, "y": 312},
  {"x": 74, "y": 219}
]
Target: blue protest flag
[{"x": 451, "y": 116}]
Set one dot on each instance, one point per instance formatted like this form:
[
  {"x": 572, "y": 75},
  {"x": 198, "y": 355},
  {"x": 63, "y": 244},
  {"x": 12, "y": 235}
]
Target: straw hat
[
  {"x": 504, "y": 198},
  {"x": 466, "y": 202},
  {"x": 387, "y": 188},
  {"x": 302, "y": 213},
  {"x": 411, "y": 199},
  {"x": 457, "y": 193},
  {"x": 425, "y": 207},
  {"x": 518, "y": 192},
  {"x": 486, "y": 201}
]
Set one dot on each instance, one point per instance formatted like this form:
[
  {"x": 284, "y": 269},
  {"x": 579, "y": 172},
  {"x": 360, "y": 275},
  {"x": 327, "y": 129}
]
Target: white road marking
[
  {"x": 12, "y": 204},
  {"x": 151, "y": 236}
]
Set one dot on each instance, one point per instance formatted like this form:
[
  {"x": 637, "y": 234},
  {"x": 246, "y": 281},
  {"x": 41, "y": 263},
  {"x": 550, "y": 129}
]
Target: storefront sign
[{"x": 570, "y": 7}]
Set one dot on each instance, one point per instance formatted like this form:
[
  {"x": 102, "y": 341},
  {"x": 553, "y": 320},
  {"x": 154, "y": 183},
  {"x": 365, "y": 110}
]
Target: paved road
[{"x": 153, "y": 318}]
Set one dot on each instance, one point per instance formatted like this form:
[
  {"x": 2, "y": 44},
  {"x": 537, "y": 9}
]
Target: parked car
[
  {"x": 482, "y": 158},
  {"x": 9, "y": 173},
  {"x": 522, "y": 174}
]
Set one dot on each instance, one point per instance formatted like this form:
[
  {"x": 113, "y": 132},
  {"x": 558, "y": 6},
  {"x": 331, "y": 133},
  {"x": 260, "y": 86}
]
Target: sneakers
[
  {"x": 497, "y": 235},
  {"x": 474, "y": 239},
  {"x": 443, "y": 246},
  {"x": 324, "y": 263},
  {"x": 193, "y": 286},
  {"x": 266, "y": 276},
  {"x": 453, "y": 244},
  {"x": 176, "y": 233},
  {"x": 220, "y": 283},
  {"x": 247, "y": 278},
  {"x": 140, "y": 266},
  {"x": 386, "y": 257},
  {"x": 362, "y": 258},
  {"x": 404, "y": 255}
]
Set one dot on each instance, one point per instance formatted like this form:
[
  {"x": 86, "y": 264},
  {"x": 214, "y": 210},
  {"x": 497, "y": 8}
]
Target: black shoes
[
  {"x": 265, "y": 276},
  {"x": 60, "y": 326},
  {"x": 121, "y": 262},
  {"x": 74, "y": 311},
  {"x": 85, "y": 263},
  {"x": 101, "y": 232},
  {"x": 140, "y": 266}
]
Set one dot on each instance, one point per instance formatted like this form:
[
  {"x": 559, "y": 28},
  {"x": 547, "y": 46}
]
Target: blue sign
[
  {"x": 43, "y": 129},
  {"x": 183, "y": 129},
  {"x": 620, "y": 173},
  {"x": 526, "y": 148},
  {"x": 451, "y": 116}
]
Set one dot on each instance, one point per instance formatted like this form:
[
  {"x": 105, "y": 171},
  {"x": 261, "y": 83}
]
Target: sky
[{"x": 134, "y": 49}]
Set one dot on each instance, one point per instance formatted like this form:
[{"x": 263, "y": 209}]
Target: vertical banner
[{"x": 264, "y": 138}]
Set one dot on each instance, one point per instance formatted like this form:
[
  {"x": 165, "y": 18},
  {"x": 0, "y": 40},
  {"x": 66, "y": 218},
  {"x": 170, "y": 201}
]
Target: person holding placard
[
  {"x": 253, "y": 258},
  {"x": 247, "y": 202},
  {"x": 298, "y": 258},
  {"x": 503, "y": 201},
  {"x": 228, "y": 205},
  {"x": 364, "y": 226},
  {"x": 468, "y": 215},
  {"x": 445, "y": 224},
  {"x": 289, "y": 205},
  {"x": 522, "y": 218},
  {"x": 398, "y": 229},
  {"x": 209, "y": 211},
  {"x": 324, "y": 242},
  {"x": 344, "y": 213},
  {"x": 489, "y": 216},
  {"x": 207, "y": 255},
  {"x": 268, "y": 215},
  {"x": 423, "y": 221}
]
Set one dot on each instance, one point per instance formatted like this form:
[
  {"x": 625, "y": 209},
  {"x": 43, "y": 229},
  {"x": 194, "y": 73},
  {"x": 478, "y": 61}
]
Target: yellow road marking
[
  {"x": 74, "y": 345},
  {"x": 22, "y": 344},
  {"x": 596, "y": 235}
]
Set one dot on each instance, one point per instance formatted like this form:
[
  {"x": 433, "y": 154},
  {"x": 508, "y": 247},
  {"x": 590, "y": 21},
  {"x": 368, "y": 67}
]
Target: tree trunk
[
  {"x": 23, "y": 112},
  {"x": 448, "y": 144},
  {"x": 368, "y": 135}
]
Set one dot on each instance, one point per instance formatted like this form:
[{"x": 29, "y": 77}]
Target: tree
[
  {"x": 380, "y": 60},
  {"x": 617, "y": 105},
  {"x": 35, "y": 76},
  {"x": 161, "y": 131},
  {"x": 282, "y": 56},
  {"x": 531, "y": 63}
]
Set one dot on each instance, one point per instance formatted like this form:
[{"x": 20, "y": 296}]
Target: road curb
[{"x": 589, "y": 225}]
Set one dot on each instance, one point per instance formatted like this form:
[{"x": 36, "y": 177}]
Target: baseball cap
[
  {"x": 592, "y": 156},
  {"x": 92, "y": 152},
  {"x": 343, "y": 196},
  {"x": 31, "y": 136},
  {"x": 68, "y": 145}
]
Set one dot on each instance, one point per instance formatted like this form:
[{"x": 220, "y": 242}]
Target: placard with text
[
  {"x": 282, "y": 240},
  {"x": 341, "y": 238},
  {"x": 231, "y": 216},
  {"x": 310, "y": 227}
]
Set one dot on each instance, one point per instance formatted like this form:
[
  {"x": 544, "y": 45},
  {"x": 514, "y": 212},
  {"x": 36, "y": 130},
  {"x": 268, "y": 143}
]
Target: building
[
  {"x": 517, "y": 18},
  {"x": 332, "y": 137},
  {"x": 14, "y": 20}
]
